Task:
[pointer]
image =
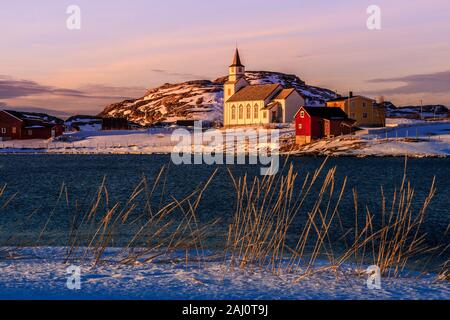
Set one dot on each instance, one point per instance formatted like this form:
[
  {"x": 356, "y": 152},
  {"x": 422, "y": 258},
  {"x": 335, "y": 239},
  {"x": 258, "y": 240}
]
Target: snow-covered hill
[
  {"x": 202, "y": 99},
  {"x": 417, "y": 112}
]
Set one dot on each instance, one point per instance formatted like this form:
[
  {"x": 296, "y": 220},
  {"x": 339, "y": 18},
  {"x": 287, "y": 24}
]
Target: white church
[{"x": 246, "y": 104}]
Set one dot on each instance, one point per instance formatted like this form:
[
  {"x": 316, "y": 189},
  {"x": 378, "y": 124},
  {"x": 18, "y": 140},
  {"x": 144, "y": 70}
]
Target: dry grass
[
  {"x": 168, "y": 226},
  {"x": 444, "y": 275},
  {"x": 264, "y": 232},
  {"x": 4, "y": 202},
  {"x": 266, "y": 208}
]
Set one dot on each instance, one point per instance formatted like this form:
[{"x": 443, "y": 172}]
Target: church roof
[
  {"x": 254, "y": 92},
  {"x": 272, "y": 105},
  {"x": 237, "y": 60},
  {"x": 284, "y": 94}
]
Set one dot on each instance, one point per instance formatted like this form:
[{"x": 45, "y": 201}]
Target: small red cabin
[
  {"x": 313, "y": 123},
  {"x": 15, "y": 125}
]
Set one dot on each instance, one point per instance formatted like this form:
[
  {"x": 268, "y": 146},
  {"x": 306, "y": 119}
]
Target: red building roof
[
  {"x": 326, "y": 113},
  {"x": 33, "y": 117}
]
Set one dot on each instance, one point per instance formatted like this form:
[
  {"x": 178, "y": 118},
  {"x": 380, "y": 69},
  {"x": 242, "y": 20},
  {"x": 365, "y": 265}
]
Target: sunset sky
[{"x": 125, "y": 47}]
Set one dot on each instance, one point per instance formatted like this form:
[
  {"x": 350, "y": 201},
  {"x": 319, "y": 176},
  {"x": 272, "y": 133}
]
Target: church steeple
[
  {"x": 236, "y": 77},
  {"x": 237, "y": 69},
  {"x": 237, "y": 60}
]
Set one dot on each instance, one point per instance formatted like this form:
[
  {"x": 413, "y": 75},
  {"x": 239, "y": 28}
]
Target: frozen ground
[
  {"x": 40, "y": 273},
  {"x": 402, "y": 137},
  {"x": 125, "y": 142},
  {"x": 412, "y": 138}
]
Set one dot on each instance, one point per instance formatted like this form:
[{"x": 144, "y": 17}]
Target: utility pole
[{"x": 421, "y": 109}]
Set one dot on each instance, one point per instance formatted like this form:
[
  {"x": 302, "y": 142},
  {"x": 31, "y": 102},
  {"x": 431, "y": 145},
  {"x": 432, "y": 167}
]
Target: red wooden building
[
  {"x": 16, "y": 125},
  {"x": 313, "y": 123}
]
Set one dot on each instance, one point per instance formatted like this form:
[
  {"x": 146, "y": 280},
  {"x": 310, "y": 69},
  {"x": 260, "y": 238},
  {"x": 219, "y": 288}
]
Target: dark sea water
[{"x": 36, "y": 181}]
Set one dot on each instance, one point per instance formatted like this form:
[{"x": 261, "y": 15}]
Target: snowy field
[
  {"x": 401, "y": 137},
  {"x": 152, "y": 141},
  {"x": 412, "y": 138},
  {"x": 41, "y": 273}
]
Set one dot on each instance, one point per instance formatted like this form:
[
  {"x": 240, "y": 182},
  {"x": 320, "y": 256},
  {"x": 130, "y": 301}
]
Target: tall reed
[
  {"x": 167, "y": 224},
  {"x": 266, "y": 208},
  {"x": 285, "y": 223}
]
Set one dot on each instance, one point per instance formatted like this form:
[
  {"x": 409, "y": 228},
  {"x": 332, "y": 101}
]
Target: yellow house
[{"x": 362, "y": 109}]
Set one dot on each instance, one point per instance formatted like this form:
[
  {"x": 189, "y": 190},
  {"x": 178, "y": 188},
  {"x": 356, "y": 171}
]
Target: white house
[{"x": 246, "y": 104}]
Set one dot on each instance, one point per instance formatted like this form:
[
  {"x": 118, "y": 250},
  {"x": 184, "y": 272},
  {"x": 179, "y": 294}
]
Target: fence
[{"x": 392, "y": 133}]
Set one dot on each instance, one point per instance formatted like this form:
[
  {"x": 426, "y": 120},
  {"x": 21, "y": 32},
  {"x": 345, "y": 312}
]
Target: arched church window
[
  {"x": 241, "y": 112},
  {"x": 233, "y": 112},
  {"x": 256, "y": 111},
  {"x": 249, "y": 112}
]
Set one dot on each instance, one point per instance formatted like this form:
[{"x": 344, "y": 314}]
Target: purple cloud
[
  {"x": 438, "y": 82},
  {"x": 12, "y": 88},
  {"x": 28, "y": 95}
]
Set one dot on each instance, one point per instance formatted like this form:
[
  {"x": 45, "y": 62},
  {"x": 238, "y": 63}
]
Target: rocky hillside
[
  {"x": 416, "y": 112},
  {"x": 201, "y": 100}
]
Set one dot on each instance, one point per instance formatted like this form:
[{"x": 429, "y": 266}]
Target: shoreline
[
  {"x": 417, "y": 140},
  {"x": 297, "y": 155}
]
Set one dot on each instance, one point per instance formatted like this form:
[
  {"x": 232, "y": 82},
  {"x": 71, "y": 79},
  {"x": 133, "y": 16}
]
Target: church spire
[
  {"x": 237, "y": 69},
  {"x": 237, "y": 60},
  {"x": 236, "y": 77}
]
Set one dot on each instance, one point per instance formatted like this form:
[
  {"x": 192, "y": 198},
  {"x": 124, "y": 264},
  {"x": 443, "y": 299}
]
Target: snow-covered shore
[
  {"x": 400, "y": 138},
  {"x": 152, "y": 141},
  {"x": 414, "y": 139},
  {"x": 40, "y": 273}
]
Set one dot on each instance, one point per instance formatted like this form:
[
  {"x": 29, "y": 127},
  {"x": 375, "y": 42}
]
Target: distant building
[
  {"x": 246, "y": 104},
  {"x": 193, "y": 123},
  {"x": 93, "y": 123},
  {"x": 16, "y": 125},
  {"x": 364, "y": 110},
  {"x": 84, "y": 123},
  {"x": 313, "y": 123},
  {"x": 109, "y": 124}
]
